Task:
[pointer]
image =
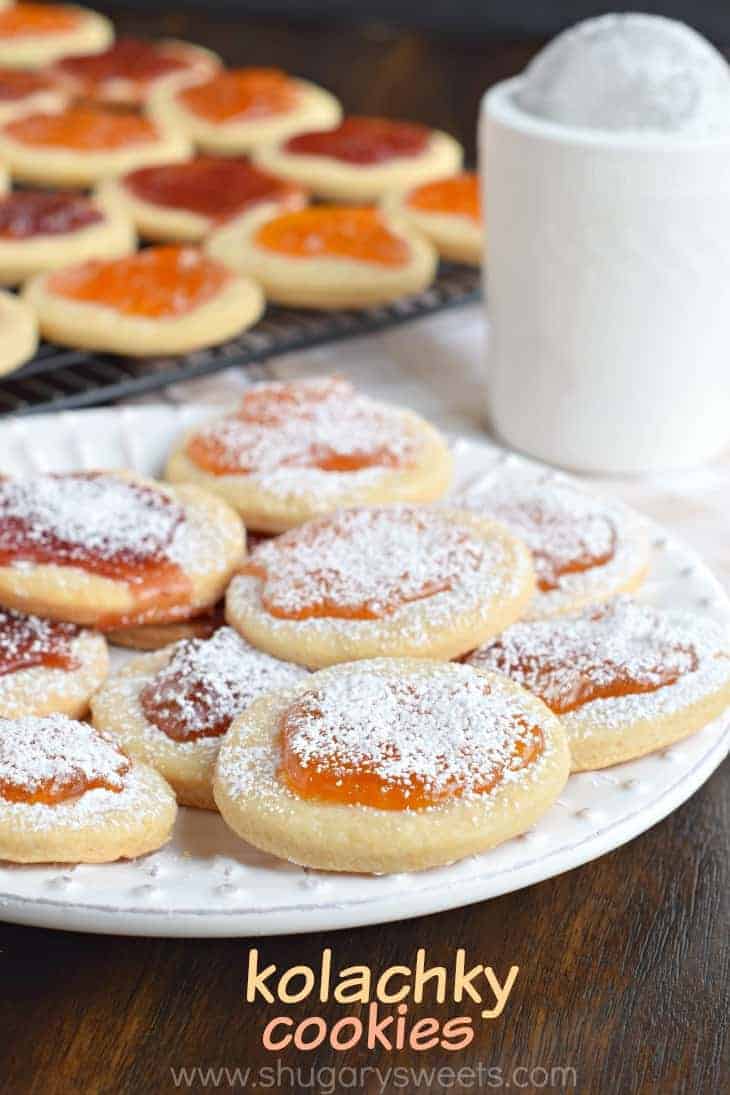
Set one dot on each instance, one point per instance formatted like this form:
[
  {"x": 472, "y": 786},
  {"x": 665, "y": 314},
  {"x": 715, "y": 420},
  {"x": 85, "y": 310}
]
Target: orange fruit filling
[
  {"x": 306, "y": 572},
  {"x": 83, "y": 129},
  {"x": 48, "y": 792},
  {"x": 26, "y": 642},
  {"x": 327, "y": 231},
  {"x": 458, "y": 197},
  {"x": 235, "y": 447},
  {"x": 157, "y": 283},
  {"x": 157, "y": 581},
  {"x": 51, "y": 759},
  {"x": 338, "y": 780},
  {"x": 243, "y": 94},
  {"x": 31, "y": 19}
]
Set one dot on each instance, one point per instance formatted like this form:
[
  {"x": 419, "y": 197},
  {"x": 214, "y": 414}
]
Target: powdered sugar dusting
[
  {"x": 208, "y": 682},
  {"x": 322, "y": 437},
  {"x": 53, "y": 752},
  {"x": 663, "y": 661},
  {"x": 366, "y": 563},
  {"x": 583, "y": 545},
  {"x": 446, "y": 726},
  {"x": 78, "y": 515},
  {"x": 28, "y": 640},
  {"x": 448, "y": 730}
]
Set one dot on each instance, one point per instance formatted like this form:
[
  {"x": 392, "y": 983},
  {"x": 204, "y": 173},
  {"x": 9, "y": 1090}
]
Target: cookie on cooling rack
[
  {"x": 19, "y": 329},
  {"x": 171, "y": 709},
  {"x": 48, "y": 667},
  {"x": 84, "y": 143},
  {"x": 291, "y": 451},
  {"x": 390, "y": 765},
  {"x": 68, "y": 794},
  {"x": 397, "y": 581},
  {"x": 240, "y": 108},
  {"x": 34, "y": 34},
  {"x": 624, "y": 678},
  {"x": 328, "y": 256},
  {"x": 163, "y": 300},
  {"x": 41, "y": 230},
  {"x": 186, "y": 201},
  {"x": 448, "y": 212},
  {"x": 362, "y": 159},
  {"x": 113, "y": 550},
  {"x": 130, "y": 70},
  {"x": 585, "y": 547}
]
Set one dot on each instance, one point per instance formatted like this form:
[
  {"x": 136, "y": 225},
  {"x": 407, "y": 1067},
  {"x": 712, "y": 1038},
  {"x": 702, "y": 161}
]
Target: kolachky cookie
[
  {"x": 172, "y": 709},
  {"x": 390, "y": 765},
  {"x": 238, "y": 109},
  {"x": 624, "y": 678},
  {"x": 397, "y": 581},
  {"x": 585, "y": 546},
  {"x": 291, "y": 451},
  {"x": 68, "y": 794},
  {"x": 448, "y": 212},
  {"x": 162, "y": 300},
  {"x": 328, "y": 256},
  {"x": 362, "y": 159},
  {"x": 112, "y": 550},
  {"x": 48, "y": 667}
]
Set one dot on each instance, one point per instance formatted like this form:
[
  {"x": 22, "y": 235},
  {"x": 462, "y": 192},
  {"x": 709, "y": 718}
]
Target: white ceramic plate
[{"x": 206, "y": 882}]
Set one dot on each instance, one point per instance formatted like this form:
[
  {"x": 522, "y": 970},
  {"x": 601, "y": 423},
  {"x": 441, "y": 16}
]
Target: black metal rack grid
[{"x": 60, "y": 379}]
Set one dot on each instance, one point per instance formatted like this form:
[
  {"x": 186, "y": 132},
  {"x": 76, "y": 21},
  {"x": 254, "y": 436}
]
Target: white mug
[{"x": 608, "y": 291}]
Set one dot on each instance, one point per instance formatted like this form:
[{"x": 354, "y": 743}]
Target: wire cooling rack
[{"x": 59, "y": 379}]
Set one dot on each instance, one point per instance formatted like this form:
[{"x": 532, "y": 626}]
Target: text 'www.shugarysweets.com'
[{"x": 387, "y": 997}]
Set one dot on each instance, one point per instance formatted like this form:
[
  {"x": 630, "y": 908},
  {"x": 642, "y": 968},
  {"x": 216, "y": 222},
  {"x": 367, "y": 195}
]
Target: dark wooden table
[{"x": 623, "y": 963}]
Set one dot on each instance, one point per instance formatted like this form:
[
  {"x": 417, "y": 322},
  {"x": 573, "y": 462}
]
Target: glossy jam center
[
  {"x": 51, "y": 792},
  {"x": 317, "y": 425},
  {"x": 83, "y": 128},
  {"x": 357, "y": 233},
  {"x": 128, "y": 59},
  {"x": 208, "y": 683},
  {"x": 363, "y": 564},
  {"x": 159, "y": 282},
  {"x": 455, "y": 197},
  {"x": 31, "y": 19},
  {"x": 364, "y": 141},
  {"x": 29, "y": 213},
  {"x": 245, "y": 94},
  {"x": 209, "y": 186},
  {"x": 623, "y": 648},
  {"x": 564, "y": 688},
  {"x": 27, "y": 642},
  {"x": 32, "y": 535},
  {"x": 16, "y": 84},
  {"x": 336, "y": 778},
  {"x": 560, "y": 543},
  {"x": 183, "y": 706},
  {"x": 587, "y": 689},
  {"x": 46, "y": 761}
]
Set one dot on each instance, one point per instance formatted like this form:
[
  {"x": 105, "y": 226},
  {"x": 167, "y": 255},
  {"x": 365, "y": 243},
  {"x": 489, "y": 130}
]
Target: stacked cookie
[
  {"x": 216, "y": 168},
  {"x": 381, "y": 677}
]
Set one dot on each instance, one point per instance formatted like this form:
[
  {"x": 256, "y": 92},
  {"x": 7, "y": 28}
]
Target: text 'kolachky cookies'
[{"x": 388, "y": 1002}]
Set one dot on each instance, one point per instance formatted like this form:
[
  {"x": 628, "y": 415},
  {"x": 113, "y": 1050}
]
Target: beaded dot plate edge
[{"x": 206, "y": 882}]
